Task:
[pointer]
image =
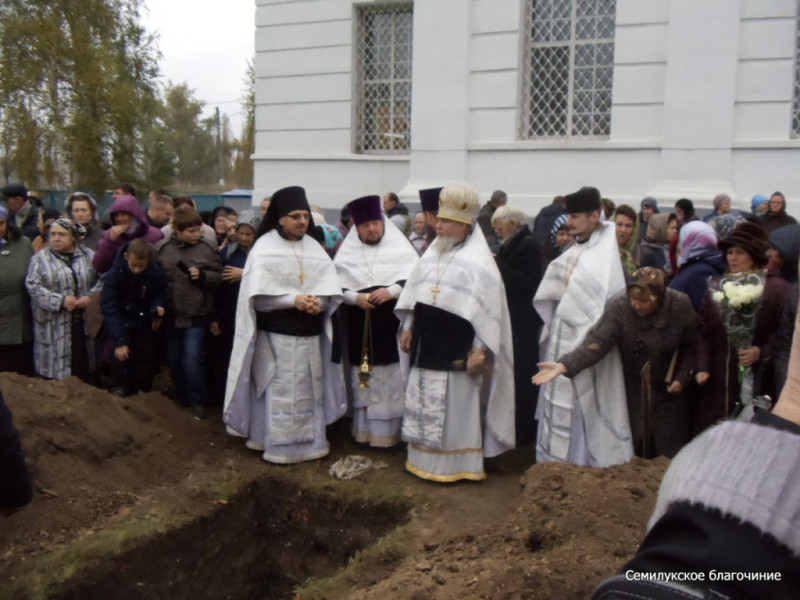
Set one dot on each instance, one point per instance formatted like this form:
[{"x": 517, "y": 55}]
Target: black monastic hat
[
  {"x": 586, "y": 199},
  {"x": 429, "y": 199}
]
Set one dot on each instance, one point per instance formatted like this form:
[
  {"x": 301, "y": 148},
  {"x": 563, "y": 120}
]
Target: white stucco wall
[{"x": 701, "y": 104}]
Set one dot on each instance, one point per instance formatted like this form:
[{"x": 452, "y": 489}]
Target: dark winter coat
[
  {"x": 189, "y": 299},
  {"x": 772, "y": 221},
  {"x": 228, "y": 292},
  {"x": 15, "y": 490},
  {"x": 107, "y": 248},
  {"x": 129, "y": 301},
  {"x": 520, "y": 264},
  {"x": 782, "y": 344},
  {"x": 670, "y": 331},
  {"x": 695, "y": 274},
  {"x": 714, "y": 355},
  {"x": 15, "y": 305}
]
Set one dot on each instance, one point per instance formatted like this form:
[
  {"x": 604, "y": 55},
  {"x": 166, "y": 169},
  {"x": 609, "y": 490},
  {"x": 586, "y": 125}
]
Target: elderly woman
[
  {"x": 700, "y": 260},
  {"x": 82, "y": 208},
  {"x": 650, "y": 325},
  {"x": 15, "y": 307},
  {"x": 718, "y": 360},
  {"x": 60, "y": 281},
  {"x": 662, "y": 228},
  {"x": 520, "y": 262},
  {"x": 627, "y": 231}
]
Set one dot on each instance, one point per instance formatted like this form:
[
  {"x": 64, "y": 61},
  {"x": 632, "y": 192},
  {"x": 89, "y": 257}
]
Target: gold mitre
[{"x": 458, "y": 203}]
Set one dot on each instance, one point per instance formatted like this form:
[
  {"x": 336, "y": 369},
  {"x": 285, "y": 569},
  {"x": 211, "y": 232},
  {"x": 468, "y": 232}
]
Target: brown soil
[{"x": 135, "y": 499}]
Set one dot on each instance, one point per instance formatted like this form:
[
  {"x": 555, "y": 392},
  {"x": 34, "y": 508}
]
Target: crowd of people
[{"x": 598, "y": 333}]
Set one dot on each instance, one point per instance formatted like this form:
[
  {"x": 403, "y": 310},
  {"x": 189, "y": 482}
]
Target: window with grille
[
  {"x": 568, "y": 69},
  {"x": 796, "y": 103},
  {"x": 384, "y": 69}
]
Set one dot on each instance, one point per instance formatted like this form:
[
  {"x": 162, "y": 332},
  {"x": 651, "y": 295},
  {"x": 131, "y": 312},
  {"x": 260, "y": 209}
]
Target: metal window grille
[
  {"x": 384, "y": 74},
  {"x": 569, "y": 69},
  {"x": 796, "y": 103}
]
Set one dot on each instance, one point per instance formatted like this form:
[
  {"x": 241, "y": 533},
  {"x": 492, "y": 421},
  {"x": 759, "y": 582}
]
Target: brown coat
[
  {"x": 187, "y": 299},
  {"x": 656, "y": 338}
]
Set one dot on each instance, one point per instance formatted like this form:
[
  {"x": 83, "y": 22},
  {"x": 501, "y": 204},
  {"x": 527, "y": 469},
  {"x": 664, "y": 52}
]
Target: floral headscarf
[
  {"x": 648, "y": 283},
  {"x": 696, "y": 238},
  {"x": 76, "y": 230}
]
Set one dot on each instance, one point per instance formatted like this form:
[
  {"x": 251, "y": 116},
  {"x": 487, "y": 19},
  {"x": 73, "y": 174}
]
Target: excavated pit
[{"x": 261, "y": 545}]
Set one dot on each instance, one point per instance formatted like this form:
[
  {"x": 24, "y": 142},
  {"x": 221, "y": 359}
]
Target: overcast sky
[{"x": 205, "y": 43}]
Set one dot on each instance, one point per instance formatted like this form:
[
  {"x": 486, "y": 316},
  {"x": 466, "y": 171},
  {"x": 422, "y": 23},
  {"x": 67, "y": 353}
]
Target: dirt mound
[{"x": 119, "y": 478}]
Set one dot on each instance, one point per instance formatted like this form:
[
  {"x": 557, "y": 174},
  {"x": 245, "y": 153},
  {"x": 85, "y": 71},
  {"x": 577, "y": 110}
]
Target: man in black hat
[
  {"x": 583, "y": 420},
  {"x": 373, "y": 264},
  {"x": 282, "y": 389},
  {"x": 22, "y": 212},
  {"x": 429, "y": 201}
]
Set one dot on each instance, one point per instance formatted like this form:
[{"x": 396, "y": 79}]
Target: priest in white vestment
[
  {"x": 583, "y": 420},
  {"x": 281, "y": 390},
  {"x": 373, "y": 264},
  {"x": 459, "y": 404}
]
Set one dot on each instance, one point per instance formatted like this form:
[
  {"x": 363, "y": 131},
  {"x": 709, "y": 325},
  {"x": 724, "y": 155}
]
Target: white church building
[{"x": 663, "y": 98}]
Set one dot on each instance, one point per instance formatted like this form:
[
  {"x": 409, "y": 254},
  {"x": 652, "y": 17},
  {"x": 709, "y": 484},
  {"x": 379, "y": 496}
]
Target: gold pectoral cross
[
  {"x": 302, "y": 277},
  {"x": 435, "y": 291}
]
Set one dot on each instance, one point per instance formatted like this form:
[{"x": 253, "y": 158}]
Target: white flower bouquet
[{"x": 738, "y": 297}]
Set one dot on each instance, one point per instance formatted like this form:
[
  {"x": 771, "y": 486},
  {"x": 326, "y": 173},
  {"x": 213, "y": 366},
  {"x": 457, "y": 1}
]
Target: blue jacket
[
  {"x": 128, "y": 301},
  {"x": 695, "y": 275}
]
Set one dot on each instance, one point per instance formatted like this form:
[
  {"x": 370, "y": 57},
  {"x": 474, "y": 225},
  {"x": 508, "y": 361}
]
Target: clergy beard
[
  {"x": 445, "y": 244},
  {"x": 371, "y": 243}
]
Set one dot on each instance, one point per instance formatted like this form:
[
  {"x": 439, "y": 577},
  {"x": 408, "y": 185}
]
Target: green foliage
[
  {"x": 76, "y": 87},
  {"x": 80, "y": 106},
  {"x": 242, "y": 168}
]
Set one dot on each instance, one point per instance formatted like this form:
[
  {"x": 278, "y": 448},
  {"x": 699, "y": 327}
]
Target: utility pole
[{"x": 219, "y": 150}]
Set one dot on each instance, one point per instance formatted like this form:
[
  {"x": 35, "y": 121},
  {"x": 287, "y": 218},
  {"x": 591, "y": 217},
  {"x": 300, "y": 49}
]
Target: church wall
[{"x": 702, "y": 103}]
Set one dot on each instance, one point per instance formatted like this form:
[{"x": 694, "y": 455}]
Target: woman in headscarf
[
  {"x": 60, "y": 281},
  {"x": 627, "y": 230},
  {"x": 82, "y": 208},
  {"x": 718, "y": 359},
  {"x": 700, "y": 260},
  {"x": 776, "y": 215},
  {"x": 520, "y": 262},
  {"x": 650, "y": 325},
  {"x": 654, "y": 250},
  {"x": 15, "y": 306}
]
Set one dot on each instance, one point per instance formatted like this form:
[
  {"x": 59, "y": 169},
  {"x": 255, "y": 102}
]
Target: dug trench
[
  {"x": 135, "y": 499},
  {"x": 262, "y": 543}
]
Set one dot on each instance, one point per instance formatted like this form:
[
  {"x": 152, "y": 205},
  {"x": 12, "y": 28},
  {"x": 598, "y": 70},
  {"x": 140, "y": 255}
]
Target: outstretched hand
[{"x": 547, "y": 372}]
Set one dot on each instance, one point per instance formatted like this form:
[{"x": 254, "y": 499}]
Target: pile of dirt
[{"x": 116, "y": 476}]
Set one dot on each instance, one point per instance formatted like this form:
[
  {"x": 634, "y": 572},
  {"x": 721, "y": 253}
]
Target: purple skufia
[{"x": 367, "y": 208}]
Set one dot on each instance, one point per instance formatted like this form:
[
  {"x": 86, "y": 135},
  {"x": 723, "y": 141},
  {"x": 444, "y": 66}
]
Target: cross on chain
[{"x": 435, "y": 291}]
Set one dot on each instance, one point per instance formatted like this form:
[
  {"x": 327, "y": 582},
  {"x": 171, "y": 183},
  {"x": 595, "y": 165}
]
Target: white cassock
[
  {"x": 377, "y": 408},
  {"x": 583, "y": 420},
  {"x": 452, "y": 419},
  {"x": 281, "y": 391}
]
